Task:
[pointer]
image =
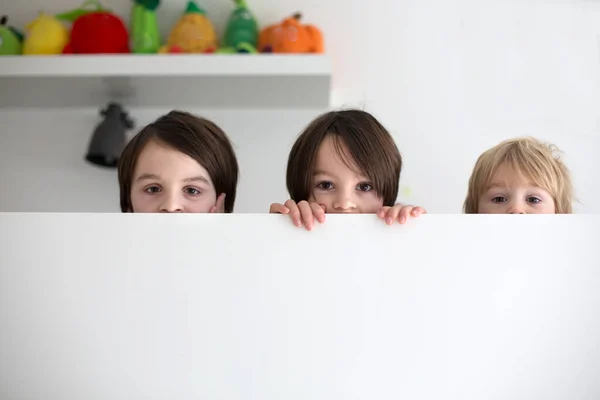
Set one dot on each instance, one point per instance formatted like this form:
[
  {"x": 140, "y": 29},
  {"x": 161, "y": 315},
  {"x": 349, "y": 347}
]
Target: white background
[{"x": 448, "y": 78}]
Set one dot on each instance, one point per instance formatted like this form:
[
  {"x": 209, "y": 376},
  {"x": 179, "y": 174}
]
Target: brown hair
[
  {"x": 529, "y": 157},
  {"x": 370, "y": 145},
  {"x": 196, "y": 137}
]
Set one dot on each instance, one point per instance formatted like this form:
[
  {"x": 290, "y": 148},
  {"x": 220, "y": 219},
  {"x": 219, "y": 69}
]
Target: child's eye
[
  {"x": 326, "y": 185},
  {"x": 152, "y": 189},
  {"x": 192, "y": 191},
  {"x": 499, "y": 199},
  {"x": 365, "y": 187},
  {"x": 533, "y": 200}
]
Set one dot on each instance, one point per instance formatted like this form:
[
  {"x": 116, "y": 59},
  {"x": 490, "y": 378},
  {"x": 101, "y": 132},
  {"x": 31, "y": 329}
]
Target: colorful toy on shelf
[
  {"x": 241, "y": 34},
  {"x": 291, "y": 36},
  {"x": 144, "y": 31},
  {"x": 45, "y": 35},
  {"x": 95, "y": 31},
  {"x": 11, "y": 40},
  {"x": 240, "y": 48},
  {"x": 193, "y": 33}
]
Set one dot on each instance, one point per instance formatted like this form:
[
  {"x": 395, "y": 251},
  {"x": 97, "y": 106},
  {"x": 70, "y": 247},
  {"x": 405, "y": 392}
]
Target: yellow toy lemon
[
  {"x": 45, "y": 35},
  {"x": 193, "y": 33}
]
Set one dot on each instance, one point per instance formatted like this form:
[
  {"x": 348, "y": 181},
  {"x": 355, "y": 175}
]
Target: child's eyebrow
[
  {"x": 197, "y": 179},
  {"x": 147, "y": 177},
  {"x": 505, "y": 186},
  {"x": 324, "y": 173}
]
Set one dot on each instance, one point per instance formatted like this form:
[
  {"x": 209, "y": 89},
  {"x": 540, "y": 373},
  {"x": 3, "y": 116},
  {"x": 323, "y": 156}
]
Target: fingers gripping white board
[{"x": 111, "y": 306}]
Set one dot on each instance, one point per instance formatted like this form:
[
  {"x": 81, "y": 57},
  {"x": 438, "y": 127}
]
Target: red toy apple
[{"x": 96, "y": 31}]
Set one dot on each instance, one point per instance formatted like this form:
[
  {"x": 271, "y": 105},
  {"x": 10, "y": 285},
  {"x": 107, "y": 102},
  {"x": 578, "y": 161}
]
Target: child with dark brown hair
[
  {"x": 178, "y": 163},
  {"x": 344, "y": 162}
]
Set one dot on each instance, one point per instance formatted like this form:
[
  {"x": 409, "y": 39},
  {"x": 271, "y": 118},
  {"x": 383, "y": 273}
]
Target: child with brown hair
[
  {"x": 344, "y": 162},
  {"x": 520, "y": 176},
  {"x": 178, "y": 163}
]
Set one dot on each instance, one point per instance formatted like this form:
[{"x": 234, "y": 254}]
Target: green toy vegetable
[
  {"x": 10, "y": 39},
  {"x": 145, "y": 35},
  {"x": 242, "y": 27}
]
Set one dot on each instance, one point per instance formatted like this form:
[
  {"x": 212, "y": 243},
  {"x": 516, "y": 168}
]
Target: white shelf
[{"x": 213, "y": 81}]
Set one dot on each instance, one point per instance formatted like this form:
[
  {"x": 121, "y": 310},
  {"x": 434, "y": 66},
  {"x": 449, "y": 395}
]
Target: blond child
[
  {"x": 520, "y": 176},
  {"x": 344, "y": 162},
  {"x": 179, "y": 163}
]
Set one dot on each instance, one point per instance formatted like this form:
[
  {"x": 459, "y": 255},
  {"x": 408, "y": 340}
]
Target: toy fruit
[
  {"x": 193, "y": 33},
  {"x": 145, "y": 35},
  {"x": 290, "y": 36},
  {"x": 10, "y": 39},
  {"x": 242, "y": 28},
  {"x": 96, "y": 31},
  {"x": 45, "y": 35}
]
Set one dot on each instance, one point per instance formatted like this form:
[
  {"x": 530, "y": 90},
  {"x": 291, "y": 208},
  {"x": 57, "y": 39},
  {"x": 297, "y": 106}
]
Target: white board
[{"x": 112, "y": 306}]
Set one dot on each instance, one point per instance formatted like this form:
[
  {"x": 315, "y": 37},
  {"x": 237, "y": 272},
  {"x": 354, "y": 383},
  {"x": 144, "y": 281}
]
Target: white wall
[{"x": 449, "y": 79}]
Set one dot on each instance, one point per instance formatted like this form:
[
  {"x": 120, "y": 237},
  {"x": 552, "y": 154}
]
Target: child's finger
[
  {"x": 277, "y": 208},
  {"x": 383, "y": 211},
  {"x": 220, "y": 204},
  {"x": 318, "y": 211},
  {"x": 405, "y": 212},
  {"x": 307, "y": 214},
  {"x": 392, "y": 214},
  {"x": 418, "y": 211},
  {"x": 294, "y": 212}
]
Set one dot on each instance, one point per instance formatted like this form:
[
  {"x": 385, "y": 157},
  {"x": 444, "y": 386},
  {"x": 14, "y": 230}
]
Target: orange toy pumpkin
[{"x": 290, "y": 36}]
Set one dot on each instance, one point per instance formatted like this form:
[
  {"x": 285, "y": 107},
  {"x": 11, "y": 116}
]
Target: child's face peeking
[
  {"x": 167, "y": 180},
  {"x": 338, "y": 187},
  {"x": 511, "y": 193}
]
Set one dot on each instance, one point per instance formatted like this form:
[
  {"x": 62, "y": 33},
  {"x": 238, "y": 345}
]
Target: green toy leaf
[
  {"x": 241, "y": 3},
  {"x": 72, "y": 15},
  {"x": 193, "y": 8},
  {"x": 18, "y": 34},
  {"x": 149, "y": 4}
]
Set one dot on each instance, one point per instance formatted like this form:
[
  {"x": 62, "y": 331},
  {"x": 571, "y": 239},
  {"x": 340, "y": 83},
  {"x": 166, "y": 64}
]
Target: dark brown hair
[
  {"x": 370, "y": 145},
  {"x": 196, "y": 137}
]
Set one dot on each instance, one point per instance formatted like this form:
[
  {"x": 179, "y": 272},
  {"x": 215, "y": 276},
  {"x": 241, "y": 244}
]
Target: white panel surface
[{"x": 110, "y": 306}]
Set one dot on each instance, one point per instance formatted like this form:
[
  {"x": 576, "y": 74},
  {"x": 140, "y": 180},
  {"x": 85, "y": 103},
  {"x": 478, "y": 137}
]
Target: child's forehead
[
  {"x": 333, "y": 155},
  {"x": 507, "y": 175},
  {"x": 158, "y": 157}
]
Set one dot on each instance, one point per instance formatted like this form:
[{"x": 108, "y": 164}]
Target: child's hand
[
  {"x": 303, "y": 213},
  {"x": 219, "y": 207},
  {"x": 399, "y": 213}
]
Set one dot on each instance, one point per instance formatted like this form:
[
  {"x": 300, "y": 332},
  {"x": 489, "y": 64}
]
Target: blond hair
[{"x": 538, "y": 161}]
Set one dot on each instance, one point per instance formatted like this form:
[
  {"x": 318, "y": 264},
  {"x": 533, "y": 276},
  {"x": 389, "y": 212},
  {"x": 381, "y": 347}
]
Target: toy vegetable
[
  {"x": 290, "y": 36},
  {"x": 10, "y": 39},
  {"x": 145, "y": 35},
  {"x": 45, "y": 35},
  {"x": 193, "y": 33},
  {"x": 241, "y": 34},
  {"x": 96, "y": 31}
]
